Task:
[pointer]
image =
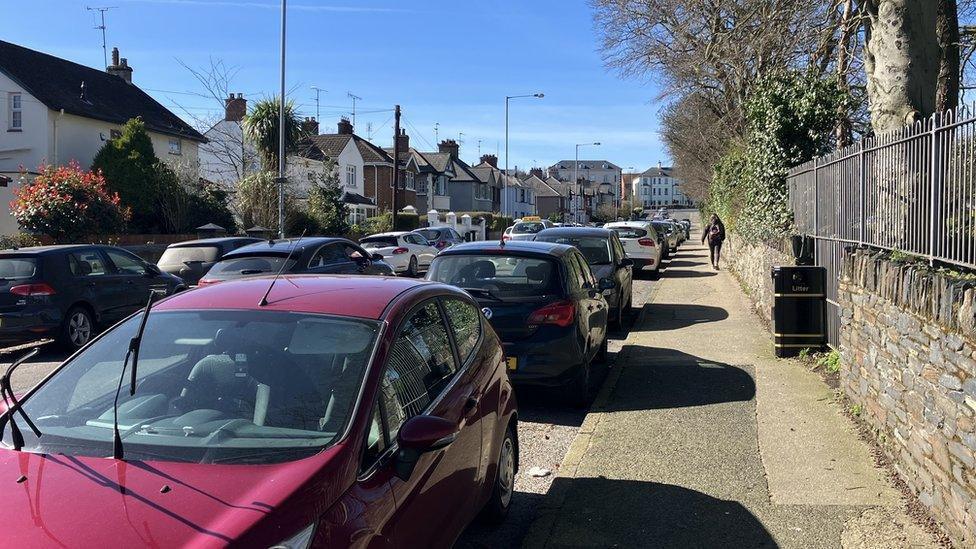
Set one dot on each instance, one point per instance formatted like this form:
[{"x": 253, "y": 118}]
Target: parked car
[
  {"x": 670, "y": 233},
  {"x": 642, "y": 243},
  {"x": 605, "y": 255},
  {"x": 190, "y": 260},
  {"x": 686, "y": 223},
  {"x": 543, "y": 301},
  {"x": 526, "y": 230},
  {"x": 679, "y": 229},
  {"x": 441, "y": 237},
  {"x": 317, "y": 255},
  {"x": 70, "y": 292},
  {"x": 406, "y": 252},
  {"x": 345, "y": 412}
]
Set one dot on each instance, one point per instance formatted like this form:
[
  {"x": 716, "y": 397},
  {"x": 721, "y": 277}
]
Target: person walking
[{"x": 715, "y": 234}]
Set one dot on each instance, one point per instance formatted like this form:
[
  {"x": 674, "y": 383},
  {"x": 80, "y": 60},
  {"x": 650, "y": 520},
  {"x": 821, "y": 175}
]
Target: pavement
[{"x": 701, "y": 438}]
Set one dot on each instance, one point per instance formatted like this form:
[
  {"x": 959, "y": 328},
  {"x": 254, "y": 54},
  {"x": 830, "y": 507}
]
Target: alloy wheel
[
  {"x": 79, "y": 328},
  {"x": 506, "y": 471}
]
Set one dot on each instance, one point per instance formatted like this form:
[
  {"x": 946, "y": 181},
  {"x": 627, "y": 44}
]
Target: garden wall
[
  {"x": 908, "y": 363},
  {"x": 752, "y": 264}
]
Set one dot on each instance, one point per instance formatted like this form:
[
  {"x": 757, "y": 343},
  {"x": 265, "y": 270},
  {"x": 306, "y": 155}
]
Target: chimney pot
[
  {"x": 115, "y": 56},
  {"x": 235, "y": 108},
  {"x": 491, "y": 159},
  {"x": 345, "y": 126},
  {"x": 120, "y": 67},
  {"x": 449, "y": 146},
  {"x": 310, "y": 126},
  {"x": 403, "y": 142}
]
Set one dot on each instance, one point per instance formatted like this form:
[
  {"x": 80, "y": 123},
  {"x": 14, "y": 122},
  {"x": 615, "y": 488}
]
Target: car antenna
[
  {"x": 264, "y": 299},
  {"x": 13, "y": 405},
  {"x": 133, "y": 351}
]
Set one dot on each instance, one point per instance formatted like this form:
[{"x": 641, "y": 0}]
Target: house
[
  {"x": 436, "y": 169},
  {"x": 488, "y": 171},
  {"x": 519, "y": 198},
  {"x": 551, "y": 195},
  {"x": 467, "y": 190},
  {"x": 657, "y": 187},
  {"x": 54, "y": 111},
  {"x": 227, "y": 156},
  {"x": 602, "y": 177}
]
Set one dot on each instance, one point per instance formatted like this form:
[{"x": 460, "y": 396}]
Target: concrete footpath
[{"x": 701, "y": 438}]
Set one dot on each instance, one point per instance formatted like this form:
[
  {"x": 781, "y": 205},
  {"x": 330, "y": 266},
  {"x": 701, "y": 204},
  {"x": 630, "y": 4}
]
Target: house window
[
  {"x": 175, "y": 146},
  {"x": 351, "y": 176},
  {"x": 422, "y": 186},
  {"x": 441, "y": 186},
  {"x": 410, "y": 181},
  {"x": 16, "y": 119}
]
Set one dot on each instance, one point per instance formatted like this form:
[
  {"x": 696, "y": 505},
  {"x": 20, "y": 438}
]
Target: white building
[
  {"x": 658, "y": 187},
  {"x": 54, "y": 111},
  {"x": 601, "y": 177},
  {"x": 227, "y": 156},
  {"x": 518, "y": 198}
]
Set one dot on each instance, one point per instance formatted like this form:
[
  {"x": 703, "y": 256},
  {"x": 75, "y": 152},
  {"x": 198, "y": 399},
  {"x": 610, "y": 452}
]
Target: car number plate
[{"x": 511, "y": 362}]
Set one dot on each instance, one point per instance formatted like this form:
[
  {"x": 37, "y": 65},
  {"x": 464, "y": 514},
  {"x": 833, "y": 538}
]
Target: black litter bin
[{"x": 799, "y": 309}]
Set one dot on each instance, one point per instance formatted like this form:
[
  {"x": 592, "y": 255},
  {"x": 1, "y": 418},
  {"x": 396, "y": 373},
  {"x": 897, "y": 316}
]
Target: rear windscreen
[
  {"x": 378, "y": 242},
  {"x": 17, "y": 267},
  {"x": 596, "y": 249},
  {"x": 248, "y": 266},
  {"x": 503, "y": 276},
  {"x": 178, "y": 256},
  {"x": 629, "y": 232},
  {"x": 429, "y": 234},
  {"x": 666, "y": 227},
  {"x": 531, "y": 227}
]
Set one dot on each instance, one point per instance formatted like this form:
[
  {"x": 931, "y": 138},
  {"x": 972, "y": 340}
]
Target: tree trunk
[
  {"x": 843, "y": 130},
  {"x": 901, "y": 61},
  {"x": 947, "y": 32}
]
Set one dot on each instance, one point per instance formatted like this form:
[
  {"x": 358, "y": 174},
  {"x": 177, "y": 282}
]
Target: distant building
[
  {"x": 599, "y": 184},
  {"x": 659, "y": 187},
  {"x": 54, "y": 111}
]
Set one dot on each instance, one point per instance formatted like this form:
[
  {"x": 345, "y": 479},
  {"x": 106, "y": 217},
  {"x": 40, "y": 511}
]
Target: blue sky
[{"x": 443, "y": 61}]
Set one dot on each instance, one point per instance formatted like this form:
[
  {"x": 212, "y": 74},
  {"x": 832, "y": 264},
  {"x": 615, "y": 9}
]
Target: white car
[
  {"x": 526, "y": 230},
  {"x": 406, "y": 252},
  {"x": 642, "y": 244}
]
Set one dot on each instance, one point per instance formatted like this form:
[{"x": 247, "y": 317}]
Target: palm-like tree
[{"x": 261, "y": 128}]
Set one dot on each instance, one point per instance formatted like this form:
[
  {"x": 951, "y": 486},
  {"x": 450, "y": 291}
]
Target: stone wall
[
  {"x": 752, "y": 264},
  {"x": 908, "y": 363}
]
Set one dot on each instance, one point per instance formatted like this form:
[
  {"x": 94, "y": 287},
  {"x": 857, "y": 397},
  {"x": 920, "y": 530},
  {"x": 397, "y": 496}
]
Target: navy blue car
[{"x": 544, "y": 303}]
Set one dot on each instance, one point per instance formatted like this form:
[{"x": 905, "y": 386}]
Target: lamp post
[
  {"x": 505, "y": 179},
  {"x": 281, "y": 130},
  {"x": 576, "y": 177}
]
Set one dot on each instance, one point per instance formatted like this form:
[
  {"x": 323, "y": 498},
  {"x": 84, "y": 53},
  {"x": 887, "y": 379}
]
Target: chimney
[
  {"x": 403, "y": 142},
  {"x": 659, "y": 165},
  {"x": 537, "y": 172},
  {"x": 345, "y": 126},
  {"x": 120, "y": 67},
  {"x": 310, "y": 126},
  {"x": 491, "y": 159},
  {"x": 235, "y": 108},
  {"x": 449, "y": 146}
]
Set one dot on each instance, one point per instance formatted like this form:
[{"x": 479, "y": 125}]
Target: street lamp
[
  {"x": 281, "y": 131},
  {"x": 576, "y": 177},
  {"x": 505, "y": 179}
]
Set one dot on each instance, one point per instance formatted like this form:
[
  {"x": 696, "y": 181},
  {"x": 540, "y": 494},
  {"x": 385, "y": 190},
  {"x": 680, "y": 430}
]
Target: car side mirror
[
  {"x": 152, "y": 270},
  {"x": 606, "y": 284},
  {"x": 627, "y": 262},
  {"x": 418, "y": 436},
  {"x": 376, "y": 257}
]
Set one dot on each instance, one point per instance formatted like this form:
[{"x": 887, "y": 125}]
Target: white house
[
  {"x": 519, "y": 198},
  {"x": 54, "y": 111},
  {"x": 227, "y": 156},
  {"x": 658, "y": 187},
  {"x": 601, "y": 177}
]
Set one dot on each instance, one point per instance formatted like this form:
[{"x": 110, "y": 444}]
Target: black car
[
  {"x": 670, "y": 233},
  {"x": 69, "y": 292},
  {"x": 190, "y": 260},
  {"x": 605, "y": 254},
  {"x": 322, "y": 255},
  {"x": 543, "y": 301},
  {"x": 441, "y": 237}
]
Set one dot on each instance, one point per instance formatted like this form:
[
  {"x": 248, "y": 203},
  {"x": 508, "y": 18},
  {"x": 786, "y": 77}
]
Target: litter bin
[{"x": 799, "y": 309}]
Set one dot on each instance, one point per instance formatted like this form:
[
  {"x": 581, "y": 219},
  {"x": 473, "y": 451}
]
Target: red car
[{"x": 339, "y": 412}]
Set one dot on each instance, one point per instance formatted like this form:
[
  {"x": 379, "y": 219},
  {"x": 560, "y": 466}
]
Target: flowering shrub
[{"x": 68, "y": 204}]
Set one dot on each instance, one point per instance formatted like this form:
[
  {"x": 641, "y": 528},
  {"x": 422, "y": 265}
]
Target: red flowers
[{"x": 68, "y": 204}]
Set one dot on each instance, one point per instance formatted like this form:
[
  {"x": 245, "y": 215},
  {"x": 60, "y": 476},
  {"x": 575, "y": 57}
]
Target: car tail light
[
  {"x": 441, "y": 244},
  {"x": 400, "y": 250},
  {"x": 33, "y": 289},
  {"x": 560, "y": 313},
  {"x": 646, "y": 242},
  {"x": 506, "y": 237}
]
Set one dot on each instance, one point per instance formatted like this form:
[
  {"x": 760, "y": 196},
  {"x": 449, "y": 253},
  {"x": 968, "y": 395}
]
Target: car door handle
[{"x": 471, "y": 405}]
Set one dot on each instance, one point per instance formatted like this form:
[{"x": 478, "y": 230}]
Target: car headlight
[{"x": 301, "y": 540}]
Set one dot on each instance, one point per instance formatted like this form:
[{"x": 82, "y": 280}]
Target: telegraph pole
[
  {"x": 101, "y": 27},
  {"x": 281, "y": 130},
  {"x": 396, "y": 162}
]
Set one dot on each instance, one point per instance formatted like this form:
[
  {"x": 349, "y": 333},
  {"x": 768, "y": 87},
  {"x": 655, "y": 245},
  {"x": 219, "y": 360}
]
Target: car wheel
[
  {"x": 501, "y": 494},
  {"x": 412, "y": 269},
  {"x": 578, "y": 390},
  {"x": 78, "y": 328},
  {"x": 617, "y": 322}
]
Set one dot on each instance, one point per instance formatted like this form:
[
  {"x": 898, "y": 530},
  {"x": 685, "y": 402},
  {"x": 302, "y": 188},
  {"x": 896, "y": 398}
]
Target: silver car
[{"x": 526, "y": 230}]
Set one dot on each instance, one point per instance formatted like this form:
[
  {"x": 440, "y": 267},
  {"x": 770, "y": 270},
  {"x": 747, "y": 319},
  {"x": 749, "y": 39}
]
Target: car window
[
  {"x": 179, "y": 256},
  {"x": 529, "y": 227},
  {"x": 576, "y": 279},
  {"x": 585, "y": 271},
  {"x": 629, "y": 232},
  {"x": 330, "y": 254},
  {"x": 14, "y": 268},
  {"x": 354, "y": 253},
  {"x": 236, "y": 267},
  {"x": 465, "y": 320},
  {"x": 126, "y": 263},
  {"x": 372, "y": 242},
  {"x": 596, "y": 249},
  {"x": 421, "y": 365},
  {"x": 87, "y": 263},
  {"x": 504, "y": 276},
  {"x": 430, "y": 234}
]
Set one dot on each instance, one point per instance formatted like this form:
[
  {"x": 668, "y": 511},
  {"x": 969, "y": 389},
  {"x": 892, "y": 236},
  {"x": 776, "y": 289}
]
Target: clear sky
[{"x": 450, "y": 62}]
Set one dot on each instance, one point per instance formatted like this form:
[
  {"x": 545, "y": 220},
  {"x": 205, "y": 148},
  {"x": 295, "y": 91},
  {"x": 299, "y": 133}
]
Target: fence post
[
  {"x": 816, "y": 199},
  {"x": 933, "y": 160},
  {"x": 862, "y": 183}
]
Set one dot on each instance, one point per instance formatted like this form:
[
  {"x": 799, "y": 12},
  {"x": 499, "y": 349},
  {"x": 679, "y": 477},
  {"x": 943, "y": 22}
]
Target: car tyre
[
  {"x": 578, "y": 390},
  {"x": 78, "y": 328},
  {"x": 603, "y": 353},
  {"x": 504, "y": 487},
  {"x": 412, "y": 269}
]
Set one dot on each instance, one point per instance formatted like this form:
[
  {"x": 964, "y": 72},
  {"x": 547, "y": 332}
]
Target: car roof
[
  {"x": 43, "y": 250},
  {"x": 496, "y": 246},
  {"x": 575, "y": 231},
  {"x": 215, "y": 240},
  {"x": 391, "y": 233},
  {"x": 353, "y": 296},
  {"x": 627, "y": 224},
  {"x": 284, "y": 246}
]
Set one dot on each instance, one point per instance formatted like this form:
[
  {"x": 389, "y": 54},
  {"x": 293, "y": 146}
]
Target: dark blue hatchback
[{"x": 543, "y": 301}]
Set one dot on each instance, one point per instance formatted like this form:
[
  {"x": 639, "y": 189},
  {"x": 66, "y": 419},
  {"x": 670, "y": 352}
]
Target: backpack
[{"x": 714, "y": 233}]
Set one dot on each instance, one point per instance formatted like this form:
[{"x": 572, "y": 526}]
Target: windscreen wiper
[
  {"x": 483, "y": 292},
  {"x": 13, "y": 405}
]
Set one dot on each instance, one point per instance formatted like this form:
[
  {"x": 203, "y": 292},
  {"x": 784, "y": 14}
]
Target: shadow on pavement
[
  {"x": 670, "y": 272},
  {"x": 601, "y": 512},
  {"x": 480, "y": 535},
  {"x": 685, "y": 263},
  {"x": 656, "y": 378},
  {"x": 674, "y": 316}
]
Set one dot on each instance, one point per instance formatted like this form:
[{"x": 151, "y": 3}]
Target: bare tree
[{"x": 947, "y": 32}]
